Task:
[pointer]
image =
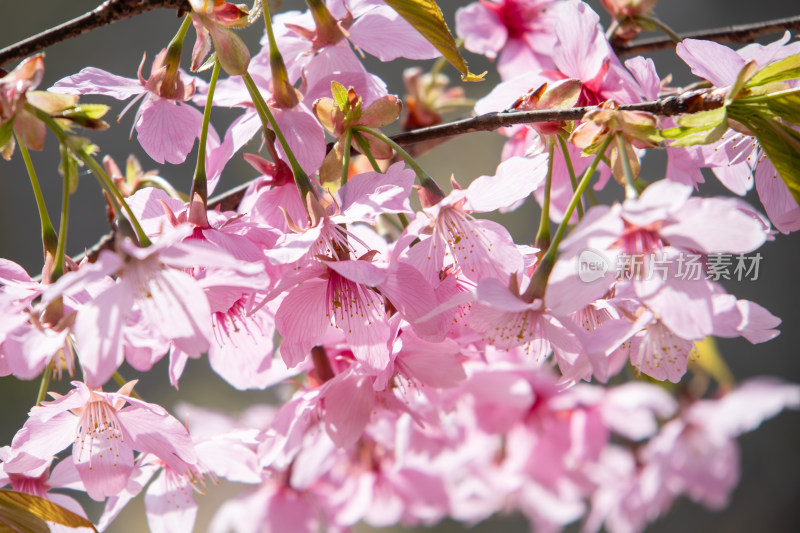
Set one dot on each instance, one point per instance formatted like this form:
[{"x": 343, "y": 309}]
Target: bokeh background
[{"x": 769, "y": 492}]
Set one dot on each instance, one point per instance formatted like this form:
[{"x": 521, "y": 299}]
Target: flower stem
[
  {"x": 105, "y": 182},
  {"x": 362, "y": 144},
  {"x": 538, "y": 283},
  {"x": 661, "y": 26},
  {"x": 268, "y": 120},
  {"x": 49, "y": 237},
  {"x": 176, "y": 44},
  {"x": 630, "y": 185},
  {"x": 424, "y": 179},
  {"x": 160, "y": 183},
  {"x": 58, "y": 265},
  {"x": 571, "y": 170},
  {"x": 282, "y": 90},
  {"x": 348, "y": 141},
  {"x": 200, "y": 181},
  {"x": 543, "y": 235},
  {"x": 44, "y": 383}
]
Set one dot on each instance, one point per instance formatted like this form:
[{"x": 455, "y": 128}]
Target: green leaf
[
  {"x": 782, "y": 145},
  {"x": 339, "y": 93},
  {"x": 28, "y": 513},
  {"x": 6, "y": 131},
  {"x": 426, "y": 17},
  {"x": 785, "y": 69},
  {"x": 747, "y": 72},
  {"x": 86, "y": 115},
  {"x": 698, "y": 128},
  {"x": 90, "y": 111},
  {"x": 69, "y": 169},
  {"x": 786, "y": 106}
]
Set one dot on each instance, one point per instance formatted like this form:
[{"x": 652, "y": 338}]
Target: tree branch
[
  {"x": 688, "y": 102},
  {"x": 742, "y": 33},
  {"x": 108, "y": 12}
]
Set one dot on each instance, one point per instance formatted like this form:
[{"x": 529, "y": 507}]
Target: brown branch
[
  {"x": 107, "y": 13},
  {"x": 688, "y": 102},
  {"x": 742, "y": 33}
]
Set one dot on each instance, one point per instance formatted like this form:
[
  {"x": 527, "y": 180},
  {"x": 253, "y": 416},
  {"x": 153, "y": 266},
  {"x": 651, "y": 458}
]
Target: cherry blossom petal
[
  {"x": 369, "y": 194},
  {"x": 514, "y": 180},
  {"x": 93, "y": 80},
  {"x": 781, "y": 207},
  {"x": 40, "y": 439},
  {"x": 348, "y": 405},
  {"x": 744, "y": 408},
  {"x": 481, "y": 30},
  {"x": 384, "y": 34},
  {"x": 301, "y": 320},
  {"x": 102, "y": 451},
  {"x": 714, "y": 225},
  {"x": 175, "y": 306},
  {"x": 711, "y": 61},
  {"x": 99, "y": 334},
  {"x": 242, "y": 349},
  {"x": 169, "y": 504},
  {"x": 154, "y": 431},
  {"x": 582, "y": 48},
  {"x": 305, "y": 136},
  {"x": 167, "y": 130}
]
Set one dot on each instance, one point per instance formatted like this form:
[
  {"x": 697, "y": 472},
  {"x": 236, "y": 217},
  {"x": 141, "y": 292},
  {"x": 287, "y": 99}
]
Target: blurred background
[{"x": 766, "y": 498}]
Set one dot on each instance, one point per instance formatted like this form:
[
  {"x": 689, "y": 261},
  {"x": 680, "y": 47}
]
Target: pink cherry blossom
[
  {"x": 171, "y": 302},
  {"x": 166, "y": 125},
  {"x": 663, "y": 223},
  {"x": 744, "y": 159},
  {"x": 104, "y": 434},
  {"x": 520, "y": 32}
]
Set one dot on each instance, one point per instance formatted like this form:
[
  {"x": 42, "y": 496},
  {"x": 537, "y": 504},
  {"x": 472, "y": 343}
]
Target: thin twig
[
  {"x": 742, "y": 33},
  {"x": 107, "y": 13}
]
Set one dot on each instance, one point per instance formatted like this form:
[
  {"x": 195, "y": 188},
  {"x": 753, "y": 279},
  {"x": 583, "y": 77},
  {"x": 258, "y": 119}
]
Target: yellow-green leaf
[
  {"x": 698, "y": 128},
  {"x": 745, "y": 74},
  {"x": 25, "y": 512},
  {"x": 6, "y": 131},
  {"x": 785, "y": 69},
  {"x": 786, "y": 106},
  {"x": 782, "y": 145},
  {"x": 426, "y": 17},
  {"x": 339, "y": 93}
]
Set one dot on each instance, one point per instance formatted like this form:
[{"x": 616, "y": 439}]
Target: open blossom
[
  {"x": 40, "y": 480},
  {"x": 149, "y": 280},
  {"x": 221, "y": 450},
  {"x": 647, "y": 235},
  {"x": 166, "y": 125},
  {"x": 519, "y": 32},
  {"x": 737, "y": 159},
  {"x": 406, "y": 342},
  {"x": 104, "y": 433}
]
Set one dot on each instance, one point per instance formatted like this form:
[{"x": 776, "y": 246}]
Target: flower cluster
[{"x": 431, "y": 366}]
